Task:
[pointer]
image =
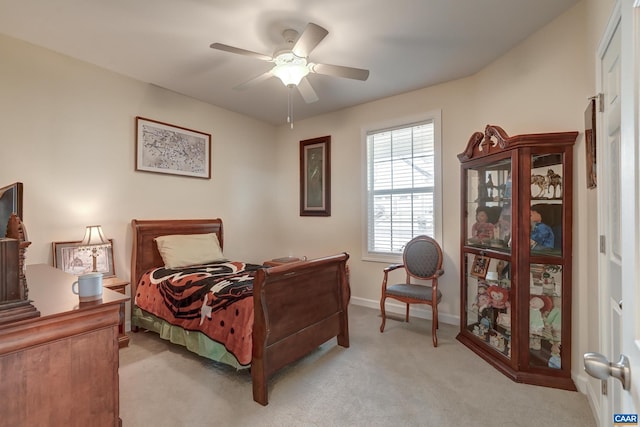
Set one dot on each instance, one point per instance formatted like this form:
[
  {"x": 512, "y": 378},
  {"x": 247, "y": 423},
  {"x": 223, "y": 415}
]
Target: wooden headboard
[{"x": 145, "y": 255}]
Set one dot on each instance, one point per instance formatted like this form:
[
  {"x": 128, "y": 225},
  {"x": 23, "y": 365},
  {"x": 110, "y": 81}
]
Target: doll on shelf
[
  {"x": 482, "y": 297},
  {"x": 553, "y": 321},
  {"x": 541, "y": 234},
  {"x": 482, "y": 229},
  {"x": 539, "y": 306},
  {"x": 499, "y": 296}
]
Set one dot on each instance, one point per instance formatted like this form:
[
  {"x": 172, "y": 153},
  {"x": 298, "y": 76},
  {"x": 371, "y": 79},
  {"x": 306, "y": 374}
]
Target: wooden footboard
[{"x": 297, "y": 307}]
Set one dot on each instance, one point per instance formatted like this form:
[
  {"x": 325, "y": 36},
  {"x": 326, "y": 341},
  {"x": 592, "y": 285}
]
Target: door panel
[
  {"x": 629, "y": 186},
  {"x": 618, "y": 184},
  {"x": 609, "y": 202}
]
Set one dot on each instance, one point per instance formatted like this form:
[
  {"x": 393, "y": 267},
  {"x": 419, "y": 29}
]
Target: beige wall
[{"x": 68, "y": 134}]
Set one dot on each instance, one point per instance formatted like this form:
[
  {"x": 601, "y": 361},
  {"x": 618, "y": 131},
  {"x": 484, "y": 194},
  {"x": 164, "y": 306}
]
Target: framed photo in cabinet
[{"x": 480, "y": 266}]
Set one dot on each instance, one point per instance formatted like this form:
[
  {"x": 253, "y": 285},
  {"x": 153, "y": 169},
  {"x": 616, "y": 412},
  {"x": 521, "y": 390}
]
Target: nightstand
[{"x": 119, "y": 286}]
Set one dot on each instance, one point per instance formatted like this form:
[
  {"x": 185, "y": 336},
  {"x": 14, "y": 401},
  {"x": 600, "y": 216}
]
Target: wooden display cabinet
[{"x": 516, "y": 235}]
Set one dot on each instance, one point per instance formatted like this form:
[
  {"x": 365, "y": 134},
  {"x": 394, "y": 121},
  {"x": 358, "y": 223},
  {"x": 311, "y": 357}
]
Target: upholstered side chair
[{"x": 422, "y": 260}]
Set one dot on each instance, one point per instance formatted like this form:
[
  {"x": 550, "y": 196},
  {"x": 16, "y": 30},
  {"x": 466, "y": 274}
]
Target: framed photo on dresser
[{"x": 74, "y": 258}]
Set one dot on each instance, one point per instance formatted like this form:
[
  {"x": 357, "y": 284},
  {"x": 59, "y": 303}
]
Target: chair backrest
[{"x": 422, "y": 257}]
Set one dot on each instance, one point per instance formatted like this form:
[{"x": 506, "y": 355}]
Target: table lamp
[{"x": 94, "y": 239}]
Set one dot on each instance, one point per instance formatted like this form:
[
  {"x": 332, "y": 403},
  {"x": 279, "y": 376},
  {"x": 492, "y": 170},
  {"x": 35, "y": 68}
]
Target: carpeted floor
[{"x": 392, "y": 379}]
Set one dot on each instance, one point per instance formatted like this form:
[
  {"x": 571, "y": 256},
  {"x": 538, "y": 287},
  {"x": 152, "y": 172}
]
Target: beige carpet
[{"x": 391, "y": 379}]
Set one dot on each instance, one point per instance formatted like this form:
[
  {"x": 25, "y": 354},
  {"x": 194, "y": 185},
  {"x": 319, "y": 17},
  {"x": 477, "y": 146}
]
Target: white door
[
  {"x": 617, "y": 157},
  {"x": 609, "y": 202},
  {"x": 630, "y": 205}
]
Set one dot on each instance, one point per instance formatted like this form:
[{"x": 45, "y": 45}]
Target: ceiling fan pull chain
[{"x": 290, "y": 107}]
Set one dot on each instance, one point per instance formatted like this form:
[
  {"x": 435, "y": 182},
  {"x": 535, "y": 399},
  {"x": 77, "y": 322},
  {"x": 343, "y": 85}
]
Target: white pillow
[{"x": 182, "y": 250}]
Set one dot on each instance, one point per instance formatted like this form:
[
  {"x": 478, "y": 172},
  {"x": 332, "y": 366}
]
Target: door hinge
[
  {"x": 600, "y": 98},
  {"x": 603, "y": 387},
  {"x": 603, "y": 248},
  {"x": 599, "y": 101}
]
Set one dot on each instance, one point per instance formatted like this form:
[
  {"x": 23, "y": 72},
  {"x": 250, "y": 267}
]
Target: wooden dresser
[{"x": 61, "y": 368}]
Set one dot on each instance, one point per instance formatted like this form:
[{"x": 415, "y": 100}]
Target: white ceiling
[{"x": 406, "y": 44}]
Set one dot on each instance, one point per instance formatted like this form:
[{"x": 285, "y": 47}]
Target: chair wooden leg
[
  {"x": 383, "y": 314},
  {"x": 434, "y": 325},
  {"x": 406, "y": 318}
]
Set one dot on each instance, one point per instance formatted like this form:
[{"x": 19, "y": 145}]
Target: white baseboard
[
  {"x": 593, "y": 395},
  {"x": 419, "y": 311}
]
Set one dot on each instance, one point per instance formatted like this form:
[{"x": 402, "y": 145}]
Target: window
[{"x": 402, "y": 177}]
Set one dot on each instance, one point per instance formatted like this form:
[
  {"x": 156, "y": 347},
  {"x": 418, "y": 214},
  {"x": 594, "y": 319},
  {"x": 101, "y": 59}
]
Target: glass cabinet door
[
  {"x": 489, "y": 297},
  {"x": 546, "y": 205},
  {"x": 545, "y": 315},
  {"x": 489, "y": 206}
]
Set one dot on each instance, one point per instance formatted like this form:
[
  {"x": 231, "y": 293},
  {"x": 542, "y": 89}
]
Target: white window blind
[{"x": 400, "y": 186}]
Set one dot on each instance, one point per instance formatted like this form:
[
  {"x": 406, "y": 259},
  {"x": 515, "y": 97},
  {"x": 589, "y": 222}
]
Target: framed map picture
[{"x": 165, "y": 148}]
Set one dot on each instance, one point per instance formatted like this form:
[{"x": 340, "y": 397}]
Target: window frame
[{"x": 400, "y": 122}]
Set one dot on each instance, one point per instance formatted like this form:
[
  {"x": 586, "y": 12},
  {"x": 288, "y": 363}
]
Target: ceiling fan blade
[
  {"x": 306, "y": 90},
  {"x": 309, "y": 39},
  {"x": 227, "y": 48},
  {"x": 260, "y": 78},
  {"x": 340, "y": 71}
]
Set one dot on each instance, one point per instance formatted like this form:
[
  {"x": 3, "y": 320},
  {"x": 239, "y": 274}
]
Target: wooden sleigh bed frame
[{"x": 297, "y": 306}]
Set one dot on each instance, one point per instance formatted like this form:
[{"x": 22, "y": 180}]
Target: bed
[{"x": 288, "y": 310}]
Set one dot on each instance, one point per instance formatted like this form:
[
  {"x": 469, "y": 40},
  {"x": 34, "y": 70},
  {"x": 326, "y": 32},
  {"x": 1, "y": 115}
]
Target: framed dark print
[
  {"x": 170, "y": 149},
  {"x": 480, "y": 266},
  {"x": 315, "y": 177},
  {"x": 590, "y": 142},
  {"x": 73, "y": 258}
]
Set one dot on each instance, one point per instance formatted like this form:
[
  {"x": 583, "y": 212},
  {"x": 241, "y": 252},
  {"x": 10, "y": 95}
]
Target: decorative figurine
[
  {"x": 554, "y": 360},
  {"x": 541, "y": 233},
  {"x": 482, "y": 229},
  {"x": 499, "y": 296},
  {"x": 541, "y": 182},
  {"x": 539, "y": 306},
  {"x": 554, "y": 180}
]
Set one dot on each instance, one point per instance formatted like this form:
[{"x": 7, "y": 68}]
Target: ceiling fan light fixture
[{"x": 290, "y": 68}]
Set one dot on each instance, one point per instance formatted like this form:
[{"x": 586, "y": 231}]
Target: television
[{"x": 10, "y": 202}]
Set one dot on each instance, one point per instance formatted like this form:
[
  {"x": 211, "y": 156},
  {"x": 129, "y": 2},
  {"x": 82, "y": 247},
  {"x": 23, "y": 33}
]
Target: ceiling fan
[{"x": 292, "y": 62}]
